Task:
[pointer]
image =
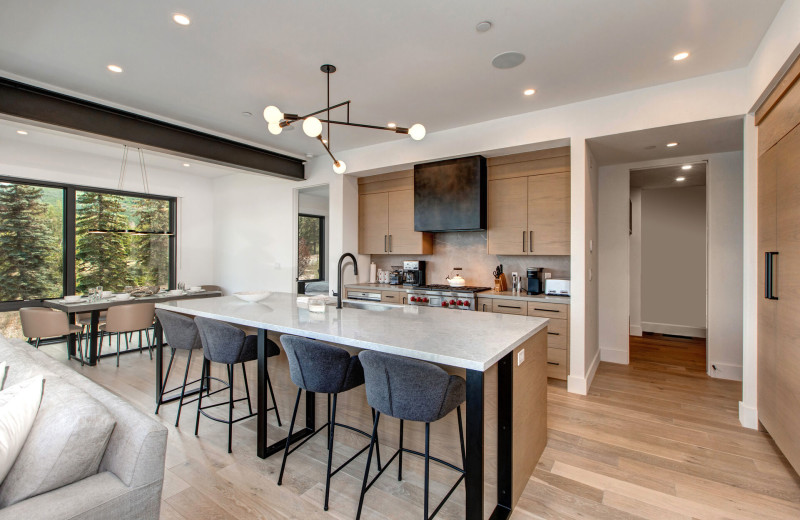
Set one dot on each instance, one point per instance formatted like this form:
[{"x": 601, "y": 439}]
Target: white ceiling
[
  {"x": 664, "y": 176},
  {"x": 407, "y": 62},
  {"x": 695, "y": 138}
]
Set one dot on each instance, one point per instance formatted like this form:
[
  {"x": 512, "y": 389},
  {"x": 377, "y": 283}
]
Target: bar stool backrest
[
  {"x": 404, "y": 388},
  {"x": 318, "y": 367},
  {"x": 131, "y": 317},
  {"x": 222, "y": 342},
  {"x": 41, "y": 322},
  {"x": 179, "y": 329}
]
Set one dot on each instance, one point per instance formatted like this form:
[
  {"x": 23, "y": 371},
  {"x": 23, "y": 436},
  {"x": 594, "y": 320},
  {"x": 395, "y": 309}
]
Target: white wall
[
  {"x": 195, "y": 241},
  {"x": 634, "y": 256},
  {"x": 674, "y": 261},
  {"x": 617, "y": 248}
]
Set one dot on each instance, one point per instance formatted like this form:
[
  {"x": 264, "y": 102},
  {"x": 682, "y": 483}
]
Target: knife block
[{"x": 500, "y": 284}]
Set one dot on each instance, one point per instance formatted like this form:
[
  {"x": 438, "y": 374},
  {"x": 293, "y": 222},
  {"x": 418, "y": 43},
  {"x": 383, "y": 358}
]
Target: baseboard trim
[
  {"x": 678, "y": 330},
  {"x": 748, "y": 416},
  {"x": 635, "y": 330},
  {"x": 725, "y": 371},
  {"x": 580, "y": 385},
  {"x": 614, "y": 356}
]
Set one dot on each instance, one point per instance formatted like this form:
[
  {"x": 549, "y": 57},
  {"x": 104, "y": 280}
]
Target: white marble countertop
[
  {"x": 505, "y": 295},
  {"x": 465, "y": 339}
]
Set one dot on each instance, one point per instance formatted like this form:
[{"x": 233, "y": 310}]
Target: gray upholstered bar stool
[
  {"x": 324, "y": 369},
  {"x": 411, "y": 390},
  {"x": 229, "y": 345},
  {"x": 181, "y": 334}
]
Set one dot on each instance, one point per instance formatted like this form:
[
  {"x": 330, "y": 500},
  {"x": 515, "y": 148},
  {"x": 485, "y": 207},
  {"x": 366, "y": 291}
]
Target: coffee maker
[
  {"x": 535, "y": 280},
  {"x": 414, "y": 272}
]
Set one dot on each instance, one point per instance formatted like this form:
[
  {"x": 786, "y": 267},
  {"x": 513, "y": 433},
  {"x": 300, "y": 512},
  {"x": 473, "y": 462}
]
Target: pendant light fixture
[
  {"x": 313, "y": 126},
  {"x": 120, "y": 183}
]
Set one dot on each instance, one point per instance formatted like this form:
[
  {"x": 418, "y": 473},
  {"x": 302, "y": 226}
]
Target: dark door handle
[
  {"x": 390, "y": 243},
  {"x": 769, "y": 275},
  {"x": 552, "y": 363},
  {"x": 554, "y": 333},
  {"x": 523, "y": 241},
  {"x": 385, "y": 244},
  {"x": 530, "y": 241},
  {"x": 545, "y": 310}
]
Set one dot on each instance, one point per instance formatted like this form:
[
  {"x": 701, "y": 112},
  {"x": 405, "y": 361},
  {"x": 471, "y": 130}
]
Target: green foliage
[
  {"x": 101, "y": 258},
  {"x": 308, "y": 248},
  {"x": 30, "y": 252},
  {"x": 150, "y": 252}
]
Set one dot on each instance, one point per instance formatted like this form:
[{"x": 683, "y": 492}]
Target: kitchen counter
[
  {"x": 469, "y": 340},
  {"x": 505, "y": 295}
]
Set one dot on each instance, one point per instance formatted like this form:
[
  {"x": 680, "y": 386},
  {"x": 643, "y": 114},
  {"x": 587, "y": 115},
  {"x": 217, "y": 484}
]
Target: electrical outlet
[
  {"x": 520, "y": 357},
  {"x": 548, "y": 275}
]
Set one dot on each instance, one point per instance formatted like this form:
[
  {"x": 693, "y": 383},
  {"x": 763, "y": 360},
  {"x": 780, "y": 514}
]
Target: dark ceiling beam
[{"x": 27, "y": 102}]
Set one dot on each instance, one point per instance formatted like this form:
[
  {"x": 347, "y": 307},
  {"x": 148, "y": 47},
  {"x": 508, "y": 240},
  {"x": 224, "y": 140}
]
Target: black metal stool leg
[
  {"x": 461, "y": 438},
  {"x": 291, "y": 427},
  {"x": 183, "y": 388},
  {"x": 400, "y": 455},
  {"x": 377, "y": 444},
  {"x": 166, "y": 378},
  {"x": 331, "y": 427},
  {"x": 427, "y": 467},
  {"x": 200, "y": 397},
  {"x": 366, "y": 470},
  {"x": 230, "y": 407},
  {"x": 247, "y": 390},
  {"x": 274, "y": 402}
]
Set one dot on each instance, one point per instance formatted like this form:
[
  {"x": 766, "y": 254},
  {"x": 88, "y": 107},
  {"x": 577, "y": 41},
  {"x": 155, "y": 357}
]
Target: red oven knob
[
  {"x": 460, "y": 302},
  {"x": 466, "y": 303},
  {"x": 452, "y": 302},
  {"x": 425, "y": 300},
  {"x": 444, "y": 304},
  {"x": 413, "y": 298}
]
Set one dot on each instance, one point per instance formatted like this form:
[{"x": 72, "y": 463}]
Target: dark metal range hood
[{"x": 450, "y": 195}]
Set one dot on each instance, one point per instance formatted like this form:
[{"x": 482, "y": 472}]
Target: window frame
[
  {"x": 321, "y": 219},
  {"x": 69, "y": 233}
]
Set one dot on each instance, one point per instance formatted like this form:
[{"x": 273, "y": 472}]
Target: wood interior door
[
  {"x": 785, "y": 424},
  {"x": 768, "y": 409},
  {"x": 549, "y": 214},
  {"x": 402, "y": 237},
  {"x": 373, "y": 223},
  {"x": 508, "y": 216}
]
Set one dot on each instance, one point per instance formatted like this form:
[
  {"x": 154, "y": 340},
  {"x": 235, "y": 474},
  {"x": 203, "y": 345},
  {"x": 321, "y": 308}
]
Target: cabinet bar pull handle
[
  {"x": 546, "y": 310},
  {"x": 484, "y": 307},
  {"x": 553, "y": 363},
  {"x": 769, "y": 275},
  {"x": 390, "y": 243},
  {"x": 554, "y": 333},
  {"x": 508, "y": 306},
  {"x": 530, "y": 242},
  {"x": 523, "y": 241},
  {"x": 385, "y": 246}
]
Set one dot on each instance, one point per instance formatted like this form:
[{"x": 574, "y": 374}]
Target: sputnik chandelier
[{"x": 312, "y": 126}]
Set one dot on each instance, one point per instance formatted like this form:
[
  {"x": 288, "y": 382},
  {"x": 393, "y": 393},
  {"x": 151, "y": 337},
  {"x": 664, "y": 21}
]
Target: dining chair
[
  {"x": 41, "y": 322},
  {"x": 211, "y": 288},
  {"x": 123, "y": 319}
]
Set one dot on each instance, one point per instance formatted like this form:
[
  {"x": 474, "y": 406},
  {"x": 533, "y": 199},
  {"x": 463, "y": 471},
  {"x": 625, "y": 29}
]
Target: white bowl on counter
[
  {"x": 72, "y": 298},
  {"x": 252, "y": 296},
  {"x": 175, "y": 292},
  {"x": 122, "y": 296}
]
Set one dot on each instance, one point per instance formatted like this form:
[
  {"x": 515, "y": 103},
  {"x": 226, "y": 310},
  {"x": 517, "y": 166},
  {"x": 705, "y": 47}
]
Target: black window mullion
[
  {"x": 173, "y": 250},
  {"x": 69, "y": 240}
]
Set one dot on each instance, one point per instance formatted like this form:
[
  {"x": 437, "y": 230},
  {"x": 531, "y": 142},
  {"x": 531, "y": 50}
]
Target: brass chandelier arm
[
  {"x": 319, "y": 138},
  {"x": 291, "y": 118}
]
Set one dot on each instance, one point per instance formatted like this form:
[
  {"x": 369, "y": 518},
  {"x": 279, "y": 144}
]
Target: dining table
[{"x": 95, "y": 307}]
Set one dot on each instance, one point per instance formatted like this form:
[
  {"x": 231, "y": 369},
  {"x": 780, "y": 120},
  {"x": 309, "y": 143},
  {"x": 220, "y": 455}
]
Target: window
[
  {"x": 54, "y": 240},
  {"x": 310, "y": 248}
]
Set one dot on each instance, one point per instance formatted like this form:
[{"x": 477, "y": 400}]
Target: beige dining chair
[
  {"x": 41, "y": 322},
  {"x": 211, "y": 288},
  {"x": 123, "y": 319}
]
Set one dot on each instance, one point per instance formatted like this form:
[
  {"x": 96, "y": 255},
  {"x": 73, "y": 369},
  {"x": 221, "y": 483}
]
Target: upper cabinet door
[
  {"x": 549, "y": 214},
  {"x": 402, "y": 237},
  {"x": 373, "y": 223},
  {"x": 508, "y": 216}
]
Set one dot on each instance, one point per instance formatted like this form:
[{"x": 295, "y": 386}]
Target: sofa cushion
[
  {"x": 18, "y": 407},
  {"x": 65, "y": 444}
]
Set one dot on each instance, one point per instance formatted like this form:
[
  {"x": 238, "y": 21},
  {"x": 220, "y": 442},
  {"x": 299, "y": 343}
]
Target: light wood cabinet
[
  {"x": 393, "y": 297},
  {"x": 386, "y": 225},
  {"x": 548, "y": 310},
  {"x": 509, "y": 307},
  {"x": 484, "y": 304},
  {"x": 529, "y": 215}
]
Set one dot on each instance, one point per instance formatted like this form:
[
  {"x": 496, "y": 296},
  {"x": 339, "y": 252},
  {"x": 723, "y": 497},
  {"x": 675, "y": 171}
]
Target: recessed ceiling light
[
  {"x": 508, "y": 60},
  {"x": 22, "y": 132},
  {"x": 186, "y": 164},
  {"x": 686, "y": 167},
  {"x": 680, "y": 179},
  {"x": 309, "y": 155},
  {"x": 671, "y": 145},
  {"x": 181, "y": 19},
  {"x": 529, "y": 92},
  {"x": 115, "y": 68},
  {"x": 680, "y": 56},
  {"x": 482, "y": 27},
  {"x": 391, "y": 125},
  {"x": 247, "y": 114}
]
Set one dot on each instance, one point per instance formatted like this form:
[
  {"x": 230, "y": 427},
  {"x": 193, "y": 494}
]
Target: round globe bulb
[
  {"x": 339, "y": 167},
  {"x": 275, "y": 128},
  {"x": 312, "y": 126},
  {"x": 417, "y": 132},
  {"x": 272, "y": 114}
]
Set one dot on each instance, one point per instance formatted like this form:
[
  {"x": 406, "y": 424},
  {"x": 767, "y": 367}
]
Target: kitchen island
[{"x": 502, "y": 357}]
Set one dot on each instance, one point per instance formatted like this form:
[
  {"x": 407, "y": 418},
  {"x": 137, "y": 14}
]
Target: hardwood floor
[{"x": 655, "y": 439}]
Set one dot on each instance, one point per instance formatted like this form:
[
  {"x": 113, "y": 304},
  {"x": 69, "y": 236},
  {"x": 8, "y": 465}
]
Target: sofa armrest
[
  {"x": 99, "y": 497},
  {"x": 137, "y": 456}
]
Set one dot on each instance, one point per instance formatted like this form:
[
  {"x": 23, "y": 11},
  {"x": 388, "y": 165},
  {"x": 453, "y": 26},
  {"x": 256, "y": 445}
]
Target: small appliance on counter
[
  {"x": 396, "y": 275},
  {"x": 554, "y": 287},
  {"x": 456, "y": 280},
  {"x": 414, "y": 273},
  {"x": 535, "y": 280}
]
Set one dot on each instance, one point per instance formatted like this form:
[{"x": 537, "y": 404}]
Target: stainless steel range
[{"x": 445, "y": 296}]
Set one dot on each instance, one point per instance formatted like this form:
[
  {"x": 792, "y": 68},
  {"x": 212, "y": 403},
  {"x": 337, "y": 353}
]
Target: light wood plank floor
[{"x": 655, "y": 439}]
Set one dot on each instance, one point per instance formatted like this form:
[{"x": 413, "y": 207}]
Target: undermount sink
[{"x": 369, "y": 306}]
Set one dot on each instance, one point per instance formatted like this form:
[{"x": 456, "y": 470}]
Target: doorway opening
[{"x": 311, "y": 253}]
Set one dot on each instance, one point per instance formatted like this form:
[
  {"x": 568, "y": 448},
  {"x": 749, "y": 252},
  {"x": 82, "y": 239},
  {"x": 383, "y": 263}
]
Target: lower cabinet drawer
[
  {"x": 484, "y": 305},
  {"x": 557, "y": 363},
  {"x": 548, "y": 310},
  {"x": 509, "y": 307},
  {"x": 557, "y": 334},
  {"x": 393, "y": 297}
]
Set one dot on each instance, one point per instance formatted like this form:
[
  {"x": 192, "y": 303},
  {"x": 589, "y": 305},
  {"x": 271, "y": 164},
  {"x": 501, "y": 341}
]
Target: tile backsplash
[{"x": 468, "y": 250}]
